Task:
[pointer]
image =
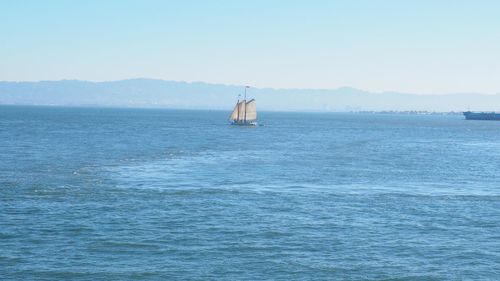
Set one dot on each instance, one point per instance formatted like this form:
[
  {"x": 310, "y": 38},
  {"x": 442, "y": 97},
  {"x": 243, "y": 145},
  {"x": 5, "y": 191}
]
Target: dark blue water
[{"x": 123, "y": 194}]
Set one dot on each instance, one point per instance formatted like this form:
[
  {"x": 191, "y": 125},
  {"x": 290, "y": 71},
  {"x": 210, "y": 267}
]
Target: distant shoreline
[
  {"x": 388, "y": 112},
  {"x": 412, "y": 112}
]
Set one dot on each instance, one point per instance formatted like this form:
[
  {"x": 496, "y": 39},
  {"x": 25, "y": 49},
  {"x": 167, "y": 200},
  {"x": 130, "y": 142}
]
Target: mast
[
  {"x": 238, "y": 108},
  {"x": 245, "y": 119}
]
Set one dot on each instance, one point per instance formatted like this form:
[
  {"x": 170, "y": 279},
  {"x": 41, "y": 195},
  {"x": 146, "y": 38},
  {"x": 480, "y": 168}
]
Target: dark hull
[
  {"x": 482, "y": 116},
  {"x": 248, "y": 124}
]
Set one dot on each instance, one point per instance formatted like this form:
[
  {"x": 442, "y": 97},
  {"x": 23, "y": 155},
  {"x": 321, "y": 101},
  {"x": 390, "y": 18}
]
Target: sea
[{"x": 156, "y": 194}]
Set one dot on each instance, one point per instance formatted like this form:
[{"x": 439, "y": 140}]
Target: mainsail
[{"x": 251, "y": 111}]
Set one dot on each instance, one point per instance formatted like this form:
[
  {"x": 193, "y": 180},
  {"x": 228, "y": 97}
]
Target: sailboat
[{"x": 244, "y": 112}]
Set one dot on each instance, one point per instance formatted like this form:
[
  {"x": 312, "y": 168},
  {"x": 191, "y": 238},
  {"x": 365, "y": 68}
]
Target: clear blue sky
[{"x": 424, "y": 46}]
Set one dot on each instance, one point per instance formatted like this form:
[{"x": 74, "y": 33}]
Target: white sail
[
  {"x": 234, "y": 114},
  {"x": 251, "y": 111},
  {"x": 241, "y": 106}
]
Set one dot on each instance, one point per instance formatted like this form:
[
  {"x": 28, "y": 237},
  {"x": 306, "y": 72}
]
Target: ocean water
[{"x": 131, "y": 194}]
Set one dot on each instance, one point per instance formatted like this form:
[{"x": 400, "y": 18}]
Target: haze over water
[{"x": 130, "y": 194}]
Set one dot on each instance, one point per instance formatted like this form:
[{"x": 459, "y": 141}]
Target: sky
[{"x": 422, "y": 47}]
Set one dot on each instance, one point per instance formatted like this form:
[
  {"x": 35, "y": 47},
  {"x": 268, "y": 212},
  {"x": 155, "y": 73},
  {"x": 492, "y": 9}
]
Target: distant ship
[
  {"x": 469, "y": 115},
  {"x": 244, "y": 112}
]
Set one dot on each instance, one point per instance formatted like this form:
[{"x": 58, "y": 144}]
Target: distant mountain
[{"x": 183, "y": 95}]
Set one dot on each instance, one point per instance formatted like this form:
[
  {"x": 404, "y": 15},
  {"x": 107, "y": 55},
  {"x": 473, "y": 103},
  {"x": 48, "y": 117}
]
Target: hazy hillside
[{"x": 170, "y": 94}]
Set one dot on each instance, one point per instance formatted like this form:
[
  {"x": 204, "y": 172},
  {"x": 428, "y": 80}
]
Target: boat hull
[
  {"x": 246, "y": 124},
  {"x": 492, "y": 116}
]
